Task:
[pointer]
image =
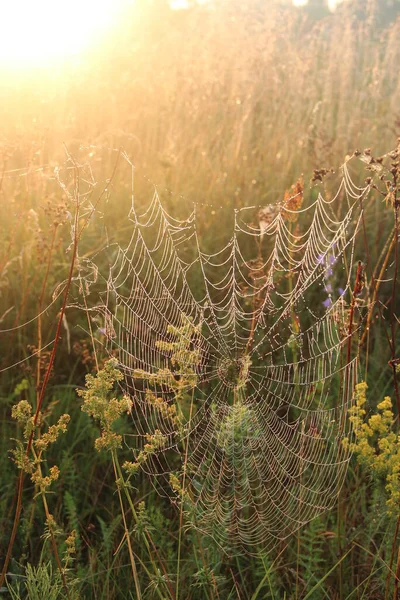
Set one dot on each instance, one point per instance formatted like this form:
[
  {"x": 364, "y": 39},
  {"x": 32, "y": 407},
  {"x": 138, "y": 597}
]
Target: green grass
[{"x": 225, "y": 108}]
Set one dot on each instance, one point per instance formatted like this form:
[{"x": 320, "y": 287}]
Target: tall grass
[
  {"x": 226, "y": 105},
  {"x": 230, "y": 101}
]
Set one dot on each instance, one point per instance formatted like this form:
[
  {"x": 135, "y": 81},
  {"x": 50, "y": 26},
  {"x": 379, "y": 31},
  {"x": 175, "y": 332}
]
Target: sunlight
[
  {"x": 45, "y": 31},
  {"x": 331, "y": 3}
]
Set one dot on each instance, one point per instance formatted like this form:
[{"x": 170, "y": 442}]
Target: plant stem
[
  {"x": 76, "y": 238},
  {"x": 390, "y": 571},
  {"x": 127, "y": 536},
  {"x": 186, "y": 444},
  {"x": 146, "y": 538},
  {"x": 53, "y": 539}
]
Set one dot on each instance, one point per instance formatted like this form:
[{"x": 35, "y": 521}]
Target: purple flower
[
  {"x": 327, "y": 303},
  {"x": 341, "y": 291},
  {"x": 331, "y": 260}
]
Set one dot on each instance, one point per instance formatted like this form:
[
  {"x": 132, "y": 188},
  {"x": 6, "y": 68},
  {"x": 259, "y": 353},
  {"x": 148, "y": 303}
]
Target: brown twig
[
  {"x": 390, "y": 571},
  {"x": 392, "y": 304}
]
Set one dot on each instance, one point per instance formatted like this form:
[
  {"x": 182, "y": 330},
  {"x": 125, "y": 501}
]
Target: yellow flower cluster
[
  {"x": 154, "y": 441},
  {"x": 44, "y": 482},
  {"x": 70, "y": 551},
  {"x": 176, "y": 485},
  {"x": 168, "y": 411},
  {"x": 22, "y": 413},
  {"x": 52, "y": 433},
  {"x": 97, "y": 404},
  {"x": 376, "y": 444},
  {"x": 184, "y": 359},
  {"x": 180, "y": 379}
]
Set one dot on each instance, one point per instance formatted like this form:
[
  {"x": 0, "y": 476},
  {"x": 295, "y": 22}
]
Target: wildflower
[
  {"x": 328, "y": 302},
  {"x": 377, "y": 446},
  {"x": 131, "y": 467},
  {"x": 328, "y": 261},
  {"x": 97, "y": 404},
  {"x": 52, "y": 433},
  {"x": 45, "y": 482},
  {"x": 293, "y": 201},
  {"x": 22, "y": 413}
]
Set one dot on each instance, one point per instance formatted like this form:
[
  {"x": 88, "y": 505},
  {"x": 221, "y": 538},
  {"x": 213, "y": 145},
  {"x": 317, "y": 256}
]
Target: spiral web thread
[
  {"x": 236, "y": 359},
  {"x": 234, "y": 351}
]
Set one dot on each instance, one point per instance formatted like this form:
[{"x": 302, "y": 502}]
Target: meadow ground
[{"x": 223, "y": 106}]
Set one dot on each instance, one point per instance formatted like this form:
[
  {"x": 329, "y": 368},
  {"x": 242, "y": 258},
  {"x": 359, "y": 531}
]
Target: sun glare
[{"x": 42, "y": 32}]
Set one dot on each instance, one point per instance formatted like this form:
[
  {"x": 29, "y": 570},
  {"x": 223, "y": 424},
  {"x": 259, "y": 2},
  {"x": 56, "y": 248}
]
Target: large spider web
[{"x": 236, "y": 357}]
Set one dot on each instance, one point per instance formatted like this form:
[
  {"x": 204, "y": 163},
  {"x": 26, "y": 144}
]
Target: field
[{"x": 199, "y": 308}]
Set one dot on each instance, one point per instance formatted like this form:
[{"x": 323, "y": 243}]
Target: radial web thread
[{"x": 236, "y": 357}]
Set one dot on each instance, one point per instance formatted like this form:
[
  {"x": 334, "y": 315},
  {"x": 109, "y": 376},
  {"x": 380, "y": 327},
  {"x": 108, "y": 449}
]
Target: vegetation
[{"x": 225, "y": 104}]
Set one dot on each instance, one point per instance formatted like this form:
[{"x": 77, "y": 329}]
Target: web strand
[{"x": 259, "y": 327}]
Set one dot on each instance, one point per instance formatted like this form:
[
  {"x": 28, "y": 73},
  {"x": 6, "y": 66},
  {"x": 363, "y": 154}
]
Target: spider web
[{"x": 234, "y": 349}]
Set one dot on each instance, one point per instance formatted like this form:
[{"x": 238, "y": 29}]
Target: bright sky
[
  {"x": 40, "y": 32},
  {"x": 45, "y": 32},
  {"x": 332, "y": 3}
]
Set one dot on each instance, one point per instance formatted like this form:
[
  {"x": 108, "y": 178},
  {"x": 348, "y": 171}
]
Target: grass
[{"x": 225, "y": 107}]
